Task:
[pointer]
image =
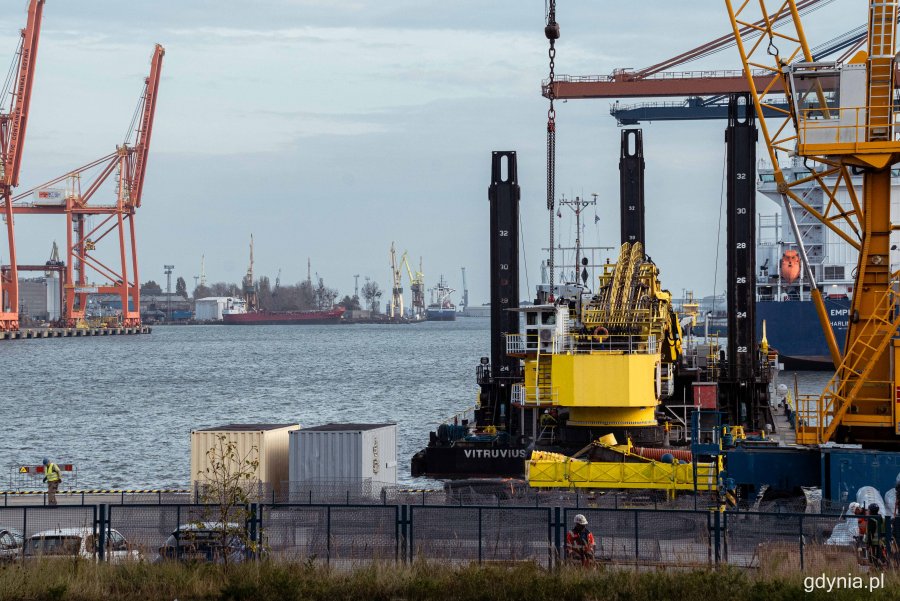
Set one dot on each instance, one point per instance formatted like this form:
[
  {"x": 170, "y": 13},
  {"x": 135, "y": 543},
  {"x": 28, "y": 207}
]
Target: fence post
[
  {"x": 101, "y": 526},
  {"x": 254, "y": 531},
  {"x": 721, "y": 538},
  {"x": 717, "y": 541},
  {"x": 801, "y": 541},
  {"x": 479, "y": 536},
  {"x": 24, "y": 529},
  {"x": 178, "y": 532},
  {"x": 328, "y": 534},
  {"x": 637, "y": 546},
  {"x": 410, "y": 533},
  {"x": 557, "y": 514}
]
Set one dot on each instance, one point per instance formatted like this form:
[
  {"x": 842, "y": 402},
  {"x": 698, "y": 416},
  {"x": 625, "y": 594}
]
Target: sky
[{"x": 330, "y": 129}]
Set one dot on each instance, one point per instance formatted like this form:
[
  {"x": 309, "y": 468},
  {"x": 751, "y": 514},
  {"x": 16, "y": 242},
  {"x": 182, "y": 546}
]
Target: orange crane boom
[
  {"x": 130, "y": 162},
  {"x": 138, "y": 168},
  {"x": 12, "y": 143}
]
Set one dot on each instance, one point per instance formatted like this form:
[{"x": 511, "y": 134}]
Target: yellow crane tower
[
  {"x": 416, "y": 287},
  {"x": 396, "y": 306},
  {"x": 840, "y": 122}
]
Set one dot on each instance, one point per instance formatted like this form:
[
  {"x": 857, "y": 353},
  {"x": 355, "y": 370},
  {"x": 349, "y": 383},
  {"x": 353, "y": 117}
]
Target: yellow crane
[
  {"x": 396, "y": 306},
  {"x": 416, "y": 287},
  {"x": 840, "y": 122}
]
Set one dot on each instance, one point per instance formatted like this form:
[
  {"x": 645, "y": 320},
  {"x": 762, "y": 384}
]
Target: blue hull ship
[{"x": 793, "y": 329}]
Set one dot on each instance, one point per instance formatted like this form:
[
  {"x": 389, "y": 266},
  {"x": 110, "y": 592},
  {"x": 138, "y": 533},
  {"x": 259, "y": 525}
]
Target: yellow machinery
[
  {"x": 841, "y": 121},
  {"x": 605, "y": 361},
  {"x": 630, "y": 471},
  {"x": 610, "y": 362}
]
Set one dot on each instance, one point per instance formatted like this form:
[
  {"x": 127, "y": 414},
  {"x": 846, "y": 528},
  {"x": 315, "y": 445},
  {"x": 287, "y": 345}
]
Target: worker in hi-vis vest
[{"x": 52, "y": 477}]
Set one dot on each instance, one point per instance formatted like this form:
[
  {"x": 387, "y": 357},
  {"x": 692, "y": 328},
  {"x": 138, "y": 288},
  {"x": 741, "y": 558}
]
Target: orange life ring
[{"x": 601, "y": 331}]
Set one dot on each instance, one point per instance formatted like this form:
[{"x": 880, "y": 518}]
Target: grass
[{"x": 81, "y": 581}]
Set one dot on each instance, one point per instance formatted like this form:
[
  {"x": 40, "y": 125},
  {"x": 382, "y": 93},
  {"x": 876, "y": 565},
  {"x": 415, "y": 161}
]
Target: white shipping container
[
  {"x": 345, "y": 452},
  {"x": 210, "y": 308},
  {"x": 267, "y": 443},
  {"x": 50, "y": 196}
]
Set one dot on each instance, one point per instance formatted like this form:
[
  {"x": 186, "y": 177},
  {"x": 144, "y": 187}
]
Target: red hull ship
[{"x": 258, "y": 318}]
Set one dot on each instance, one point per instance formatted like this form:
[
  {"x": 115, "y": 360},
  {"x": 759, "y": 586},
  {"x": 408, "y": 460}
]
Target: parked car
[
  {"x": 203, "y": 541},
  {"x": 11, "y": 540},
  {"x": 78, "y": 542}
]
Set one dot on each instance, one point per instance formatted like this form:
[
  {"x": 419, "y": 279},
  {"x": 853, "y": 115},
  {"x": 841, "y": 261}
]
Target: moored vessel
[
  {"x": 441, "y": 307},
  {"x": 257, "y": 318}
]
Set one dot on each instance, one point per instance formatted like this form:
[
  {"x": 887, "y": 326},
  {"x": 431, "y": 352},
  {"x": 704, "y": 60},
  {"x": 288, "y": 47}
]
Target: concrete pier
[{"x": 28, "y": 333}]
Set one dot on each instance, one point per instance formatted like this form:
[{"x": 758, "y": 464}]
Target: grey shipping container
[{"x": 345, "y": 453}]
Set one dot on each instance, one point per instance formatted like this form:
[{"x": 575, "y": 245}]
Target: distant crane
[
  {"x": 416, "y": 287},
  {"x": 465, "y": 296},
  {"x": 356, "y": 285},
  {"x": 249, "y": 285},
  {"x": 200, "y": 280},
  {"x": 396, "y": 307}
]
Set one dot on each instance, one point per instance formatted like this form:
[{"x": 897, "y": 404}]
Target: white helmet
[{"x": 580, "y": 520}]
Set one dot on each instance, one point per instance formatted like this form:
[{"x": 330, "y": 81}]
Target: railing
[
  {"x": 845, "y": 126},
  {"x": 627, "y": 76},
  {"x": 524, "y": 344},
  {"x": 817, "y": 421},
  {"x": 351, "y": 535},
  {"x": 534, "y": 396}
]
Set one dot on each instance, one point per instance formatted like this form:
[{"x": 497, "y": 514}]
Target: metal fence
[{"x": 356, "y": 534}]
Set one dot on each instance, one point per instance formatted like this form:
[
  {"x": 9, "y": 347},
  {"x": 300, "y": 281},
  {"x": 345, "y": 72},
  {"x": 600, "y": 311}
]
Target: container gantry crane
[
  {"x": 129, "y": 162},
  {"x": 13, "y": 122},
  {"x": 838, "y": 135}
]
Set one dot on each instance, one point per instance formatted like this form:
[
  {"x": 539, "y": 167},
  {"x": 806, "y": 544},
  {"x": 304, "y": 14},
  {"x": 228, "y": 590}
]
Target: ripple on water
[{"x": 123, "y": 407}]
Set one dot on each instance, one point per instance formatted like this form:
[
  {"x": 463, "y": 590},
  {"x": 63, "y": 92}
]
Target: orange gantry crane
[
  {"x": 13, "y": 122},
  {"x": 129, "y": 163},
  {"x": 837, "y": 135},
  {"x": 660, "y": 81}
]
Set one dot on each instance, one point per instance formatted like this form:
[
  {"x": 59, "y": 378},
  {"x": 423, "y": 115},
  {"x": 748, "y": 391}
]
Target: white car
[{"x": 78, "y": 542}]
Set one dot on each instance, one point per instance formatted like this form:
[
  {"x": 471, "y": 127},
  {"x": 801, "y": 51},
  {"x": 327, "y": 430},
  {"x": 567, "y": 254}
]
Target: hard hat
[
  {"x": 580, "y": 520},
  {"x": 546, "y": 412},
  {"x": 46, "y": 461},
  {"x": 873, "y": 508}
]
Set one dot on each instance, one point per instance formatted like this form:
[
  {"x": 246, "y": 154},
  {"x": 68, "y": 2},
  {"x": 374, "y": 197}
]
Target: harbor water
[{"x": 121, "y": 408}]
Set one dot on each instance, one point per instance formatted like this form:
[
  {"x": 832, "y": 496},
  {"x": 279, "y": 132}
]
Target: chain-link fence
[
  {"x": 354, "y": 534},
  {"x": 494, "y": 534}
]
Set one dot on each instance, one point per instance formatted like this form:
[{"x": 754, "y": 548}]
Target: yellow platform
[{"x": 554, "y": 470}]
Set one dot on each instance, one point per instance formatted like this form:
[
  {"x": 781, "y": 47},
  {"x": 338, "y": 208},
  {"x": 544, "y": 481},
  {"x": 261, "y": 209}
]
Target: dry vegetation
[{"x": 81, "y": 580}]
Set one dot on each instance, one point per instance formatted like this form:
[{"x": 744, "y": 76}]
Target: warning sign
[{"x": 23, "y": 470}]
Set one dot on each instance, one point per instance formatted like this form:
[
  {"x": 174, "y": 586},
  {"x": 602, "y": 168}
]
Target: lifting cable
[{"x": 551, "y": 31}]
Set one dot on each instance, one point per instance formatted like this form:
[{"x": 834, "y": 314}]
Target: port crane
[
  {"x": 396, "y": 307},
  {"x": 838, "y": 135},
  {"x": 13, "y": 122},
  {"x": 416, "y": 287},
  {"x": 129, "y": 163}
]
